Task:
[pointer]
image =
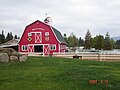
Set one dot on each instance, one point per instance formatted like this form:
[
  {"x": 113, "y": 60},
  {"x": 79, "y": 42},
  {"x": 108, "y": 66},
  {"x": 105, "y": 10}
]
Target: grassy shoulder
[{"x": 49, "y": 73}]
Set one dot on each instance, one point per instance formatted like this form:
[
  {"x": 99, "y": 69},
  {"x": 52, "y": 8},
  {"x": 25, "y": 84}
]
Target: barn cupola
[{"x": 48, "y": 20}]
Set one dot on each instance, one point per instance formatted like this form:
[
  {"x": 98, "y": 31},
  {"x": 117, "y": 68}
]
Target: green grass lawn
[{"x": 48, "y": 73}]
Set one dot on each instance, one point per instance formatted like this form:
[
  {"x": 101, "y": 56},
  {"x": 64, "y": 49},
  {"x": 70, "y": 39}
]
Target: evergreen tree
[
  {"x": 18, "y": 37},
  {"x": 88, "y": 40},
  {"x": 2, "y": 37},
  {"x": 117, "y": 44},
  {"x": 112, "y": 43},
  {"x": 107, "y": 43},
  {"x": 15, "y": 37},
  {"x": 9, "y": 36},
  {"x": 65, "y": 38},
  {"x": 80, "y": 42}
]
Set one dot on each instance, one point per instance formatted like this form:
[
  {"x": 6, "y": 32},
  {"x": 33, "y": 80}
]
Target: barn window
[
  {"x": 53, "y": 47},
  {"x": 29, "y": 34},
  {"x": 24, "y": 47},
  {"x": 46, "y": 33}
]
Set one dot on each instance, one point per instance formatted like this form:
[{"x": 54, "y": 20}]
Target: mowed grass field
[{"x": 50, "y": 73}]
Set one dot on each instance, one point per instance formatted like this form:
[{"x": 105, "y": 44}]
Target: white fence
[
  {"x": 109, "y": 52},
  {"x": 101, "y": 55}
]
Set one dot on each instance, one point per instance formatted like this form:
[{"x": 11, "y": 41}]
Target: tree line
[
  {"x": 8, "y": 37},
  {"x": 99, "y": 42}
]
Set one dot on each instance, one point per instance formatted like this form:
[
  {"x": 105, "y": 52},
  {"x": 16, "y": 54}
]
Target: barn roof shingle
[{"x": 59, "y": 35}]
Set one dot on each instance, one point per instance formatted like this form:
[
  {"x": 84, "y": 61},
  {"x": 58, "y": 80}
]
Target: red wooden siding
[{"x": 39, "y": 34}]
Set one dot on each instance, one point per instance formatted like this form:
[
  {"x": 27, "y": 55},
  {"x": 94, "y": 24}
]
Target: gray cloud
[{"x": 68, "y": 16}]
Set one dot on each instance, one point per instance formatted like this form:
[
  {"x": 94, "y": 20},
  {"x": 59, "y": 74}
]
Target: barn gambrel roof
[{"x": 58, "y": 35}]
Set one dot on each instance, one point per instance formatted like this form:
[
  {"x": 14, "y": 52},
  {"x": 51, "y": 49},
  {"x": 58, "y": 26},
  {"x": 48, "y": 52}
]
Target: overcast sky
[{"x": 99, "y": 16}]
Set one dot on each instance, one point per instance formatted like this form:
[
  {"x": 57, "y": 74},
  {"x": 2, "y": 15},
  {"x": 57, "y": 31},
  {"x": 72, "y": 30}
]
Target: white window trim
[
  {"x": 29, "y": 34},
  {"x": 53, "y": 45},
  {"x": 46, "y": 33},
  {"x": 24, "y": 47}
]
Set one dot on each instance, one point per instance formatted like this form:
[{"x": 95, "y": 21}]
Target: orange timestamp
[{"x": 98, "y": 81}]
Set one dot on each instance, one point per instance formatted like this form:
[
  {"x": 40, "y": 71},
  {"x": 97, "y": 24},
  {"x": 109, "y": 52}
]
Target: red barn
[{"x": 41, "y": 38}]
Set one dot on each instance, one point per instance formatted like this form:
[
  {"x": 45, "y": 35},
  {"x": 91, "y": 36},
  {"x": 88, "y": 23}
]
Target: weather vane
[{"x": 47, "y": 20}]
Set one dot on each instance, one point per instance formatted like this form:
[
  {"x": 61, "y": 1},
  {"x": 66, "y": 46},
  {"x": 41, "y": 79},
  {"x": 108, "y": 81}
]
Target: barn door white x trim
[
  {"x": 38, "y": 37},
  {"x": 30, "y": 48},
  {"x": 46, "y": 50}
]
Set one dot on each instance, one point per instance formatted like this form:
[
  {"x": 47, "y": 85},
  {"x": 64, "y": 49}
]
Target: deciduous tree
[
  {"x": 99, "y": 42},
  {"x": 72, "y": 40}
]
